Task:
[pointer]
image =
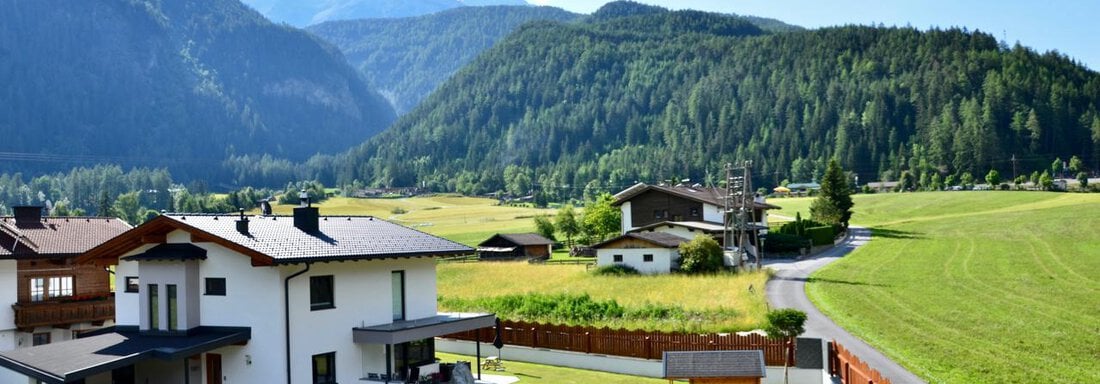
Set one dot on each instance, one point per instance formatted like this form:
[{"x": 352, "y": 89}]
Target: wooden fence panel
[
  {"x": 626, "y": 343},
  {"x": 850, "y": 369}
]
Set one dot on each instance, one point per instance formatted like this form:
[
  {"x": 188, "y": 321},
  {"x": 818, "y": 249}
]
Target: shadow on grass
[
  {"x": 810, "y": 280},
  {"x": 895, "y": 234},
  {"x": 526, "y": 375}
]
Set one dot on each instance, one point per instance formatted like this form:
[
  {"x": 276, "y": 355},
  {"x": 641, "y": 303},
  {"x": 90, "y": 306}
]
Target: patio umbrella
[
  {"x": 782, "y": 189},
  {"x": 498, "y": 340}
]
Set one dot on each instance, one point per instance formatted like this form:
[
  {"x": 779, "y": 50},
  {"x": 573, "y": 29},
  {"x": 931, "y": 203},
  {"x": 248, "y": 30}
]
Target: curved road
[{"x": 788, "y": 290}]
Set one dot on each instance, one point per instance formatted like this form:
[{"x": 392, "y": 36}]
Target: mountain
[
  {"x": 407, "y": 58},
  {"x": 180, "y": 83},
  {"x": 654, "y": 95},
  {"x": 302, "y": 13}
]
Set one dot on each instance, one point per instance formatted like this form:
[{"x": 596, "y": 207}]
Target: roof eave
[{"x": 385, "y": 256}]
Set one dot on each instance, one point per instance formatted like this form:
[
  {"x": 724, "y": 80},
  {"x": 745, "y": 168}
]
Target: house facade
[
  {"x": 268, "y": 299},
  {"x": 646, "y": 252},
  {"x": 50, "y": 297}
]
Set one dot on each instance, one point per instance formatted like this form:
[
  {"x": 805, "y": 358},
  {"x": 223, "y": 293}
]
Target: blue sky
[{"x": 1071, "y": 27}]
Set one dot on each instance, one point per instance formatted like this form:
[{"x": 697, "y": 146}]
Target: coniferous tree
[{"x": 833, "y": 204}]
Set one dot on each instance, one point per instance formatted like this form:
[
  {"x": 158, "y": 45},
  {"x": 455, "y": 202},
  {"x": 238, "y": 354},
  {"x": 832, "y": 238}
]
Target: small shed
[
  {"x": 715, "y": 367},
  {"x": 508, "y": 246},
  {"x": 647, "y": 252}
]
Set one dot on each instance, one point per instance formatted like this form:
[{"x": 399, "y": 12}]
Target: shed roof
[
  {"x": 707, "y": 195},
  {"x": 660, "y": 239},
  {"x": 523, "y": 239},
  {"x": 704, "y": 364},
  {"x": 274, "y": 240}
]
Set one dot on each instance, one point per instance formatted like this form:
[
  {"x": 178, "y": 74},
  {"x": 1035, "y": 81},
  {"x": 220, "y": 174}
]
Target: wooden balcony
[{"x": 62, "y": 314}]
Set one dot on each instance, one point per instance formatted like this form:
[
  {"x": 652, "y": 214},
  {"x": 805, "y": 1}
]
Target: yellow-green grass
[
  {"x": 974, "y": 287},
  {"x": 467, "y": 220},
  {"x": 538, "y": 373},
  {"x": 725, "y": 297}
]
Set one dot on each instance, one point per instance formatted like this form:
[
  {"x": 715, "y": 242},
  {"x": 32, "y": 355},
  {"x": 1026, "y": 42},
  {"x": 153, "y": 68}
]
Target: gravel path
[{"x": 788, "y": 290}]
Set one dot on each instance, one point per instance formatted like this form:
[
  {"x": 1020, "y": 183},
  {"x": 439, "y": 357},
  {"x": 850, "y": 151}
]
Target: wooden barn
[
  {"x": 510, "y": 246},
  {"x": 716, "y": 367}
]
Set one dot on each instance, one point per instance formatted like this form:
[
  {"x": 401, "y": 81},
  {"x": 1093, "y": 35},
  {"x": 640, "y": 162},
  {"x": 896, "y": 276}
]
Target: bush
[
  {"x": 615, "y": 270},
  {"x": 701, "y": 255},
  {"x": 823, "y": 235},
  {"x": 398, "y": 211},
  {"x": 782, "y": 242}
]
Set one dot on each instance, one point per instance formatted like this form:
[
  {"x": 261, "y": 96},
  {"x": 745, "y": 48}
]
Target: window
[
  {"x": 694, "y": 212},
  {"x": 647, "y": 258},
  {"x": 324, "y": 368},
  {"x": 215, "y": 286},
  {"x": 321, "y": 293},
  {"x": 658, "y": 214},
  {"x": 38, "y": 289},
  {"x": 617, "y": 258},
  {"x": 398, "y": 279},
  {"x": 61, "y": 286},
  {"x": 132, "y": 284},
  {"x": 173, "y": 307},
  {"x": 413, "y": 353},
  {"x": 154, "y": 307},
  {"x": 40, "y": 338}
]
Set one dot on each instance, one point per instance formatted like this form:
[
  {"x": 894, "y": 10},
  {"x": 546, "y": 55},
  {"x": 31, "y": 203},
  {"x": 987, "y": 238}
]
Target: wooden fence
[
  {"x": 621, "y": 342},
  {"x": 850, "y": 369}
]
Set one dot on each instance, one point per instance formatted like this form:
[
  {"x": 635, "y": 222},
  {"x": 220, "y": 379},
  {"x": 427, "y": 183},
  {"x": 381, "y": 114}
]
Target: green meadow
[{"x": 973, "y": 287}]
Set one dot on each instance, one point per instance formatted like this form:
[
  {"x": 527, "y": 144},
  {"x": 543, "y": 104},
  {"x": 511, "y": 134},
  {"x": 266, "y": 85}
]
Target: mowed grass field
[
  {"x": 725, "y": 302},
  {"x": 973, "y": 287},
  {"x": 538, "y": 373},
  {"x": 467, "y": 220}
]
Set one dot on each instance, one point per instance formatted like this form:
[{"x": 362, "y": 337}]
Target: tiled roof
[
  {"x": 339, "y": 238},
  {"x": 525, "y": 238},
  {"x": 56, "y": 236},
  {"x": 168, "y": 251},
  {"x": 707, "y": 195},
  {"x": 703, "y": 364},
  {"x": 662, "y": 239}
]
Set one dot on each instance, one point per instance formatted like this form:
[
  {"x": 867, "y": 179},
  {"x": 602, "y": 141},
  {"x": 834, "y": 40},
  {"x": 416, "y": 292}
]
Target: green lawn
[
  {"x": 973, "y": 287},
  {"x": 538, "y": 373}
]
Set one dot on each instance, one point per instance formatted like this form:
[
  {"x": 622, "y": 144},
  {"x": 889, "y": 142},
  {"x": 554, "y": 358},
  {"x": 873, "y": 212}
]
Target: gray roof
[
  {"x": 168, "y": 251},
  {"x": 699, "y": 364},
  {"x": 108, "y": 349},
  {"x": 661, "y": 239},
  {"x": 524, "y": 238},
  {"x": 707, "y": 195},
  {"x": 340, "y": 237},
  {"x": 56, "y": 236}
]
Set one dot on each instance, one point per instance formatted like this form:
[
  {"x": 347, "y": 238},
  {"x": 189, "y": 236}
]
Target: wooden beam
[
  {"x": 154, "y": 238},
  {"x": 201, "y": 238}
]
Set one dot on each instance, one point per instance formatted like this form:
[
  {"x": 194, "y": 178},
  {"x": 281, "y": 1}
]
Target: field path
[{"x": 788, "y": 290}]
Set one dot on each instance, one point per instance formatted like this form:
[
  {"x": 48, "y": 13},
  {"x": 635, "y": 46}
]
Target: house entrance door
[{"x": 213, "y": 368}]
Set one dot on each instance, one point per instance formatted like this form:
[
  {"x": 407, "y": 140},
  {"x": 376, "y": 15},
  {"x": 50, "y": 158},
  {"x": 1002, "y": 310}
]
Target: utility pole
[
  {"x": 1013, "y": 167},
  {"x": 740, "y": 217}
]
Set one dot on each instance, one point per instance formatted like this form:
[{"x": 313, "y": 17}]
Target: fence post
[
  {"x": 648, "y": 348},
  {"x": 534, "y": 337},
  {"x": 588, "y": 342}
]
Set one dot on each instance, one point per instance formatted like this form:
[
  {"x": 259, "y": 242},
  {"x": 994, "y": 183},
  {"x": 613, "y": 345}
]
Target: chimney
[
  {"x": 303, "y": 198},
  {"x": 265, "y": 207},
  {"x": 242, "y": 224},
  {"x": 306, "y": 218},
  {"x": 27, "y": 214}
]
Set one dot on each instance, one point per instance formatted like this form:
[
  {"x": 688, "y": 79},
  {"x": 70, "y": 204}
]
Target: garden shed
[
  {"x": 510, "y": 246},
  {"x": 715, "y": 367}
]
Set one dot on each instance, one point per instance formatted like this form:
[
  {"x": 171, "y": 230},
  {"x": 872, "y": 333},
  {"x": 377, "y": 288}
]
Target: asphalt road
[{"x": 788, "y": 290}]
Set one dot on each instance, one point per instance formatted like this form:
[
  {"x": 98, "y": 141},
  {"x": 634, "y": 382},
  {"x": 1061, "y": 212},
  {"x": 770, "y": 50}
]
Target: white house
[
  {"x": 269, "y": 299},
  {"x": 647, "y": 252}
]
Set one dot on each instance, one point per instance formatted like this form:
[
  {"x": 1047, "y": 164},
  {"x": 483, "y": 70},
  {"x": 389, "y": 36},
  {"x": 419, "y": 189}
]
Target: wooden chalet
[{"x": 511, "y": 246}]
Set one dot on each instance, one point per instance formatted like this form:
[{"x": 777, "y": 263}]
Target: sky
[{"x": 1072, "y": 27}]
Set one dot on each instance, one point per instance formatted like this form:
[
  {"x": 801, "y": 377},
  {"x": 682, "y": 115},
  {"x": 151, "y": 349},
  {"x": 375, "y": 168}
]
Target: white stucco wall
[
  {"x": 625, "y": 208},
  {"x": 9, "y": 280},
  {"x": 663, "y": 258},
  {"x": 682, "y": 232},
  {"x": 126, "y": 303},
  {"x": 712, "y": 213},
  {"x": 185, "y": 276}
]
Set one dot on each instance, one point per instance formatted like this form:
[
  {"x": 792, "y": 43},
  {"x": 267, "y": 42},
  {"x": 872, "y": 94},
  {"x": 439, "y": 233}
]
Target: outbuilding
[
  {"x": 510, "y": 246},
  {"x": 715, "y": 367},
  {"x": 647, "y": 252}
]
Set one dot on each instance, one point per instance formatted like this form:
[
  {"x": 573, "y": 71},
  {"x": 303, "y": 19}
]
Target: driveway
[{"x": 788, "y": 290}]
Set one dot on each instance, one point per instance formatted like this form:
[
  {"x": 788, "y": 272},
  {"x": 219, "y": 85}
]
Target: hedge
[
  {"x": 821, "y": 235},
  {"x": 781, "y": 242}
]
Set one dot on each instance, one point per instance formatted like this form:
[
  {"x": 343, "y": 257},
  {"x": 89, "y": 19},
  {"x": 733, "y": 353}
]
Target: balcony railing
[{"x": 62, "y": 313}]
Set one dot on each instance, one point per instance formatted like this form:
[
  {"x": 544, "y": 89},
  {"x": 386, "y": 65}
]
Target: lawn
[
  {"x": 722, "y": 302},
  {"x": 467, "y": 220},
  {"x": 973, "y": 287},
  {"x": 538, "y": 373}
]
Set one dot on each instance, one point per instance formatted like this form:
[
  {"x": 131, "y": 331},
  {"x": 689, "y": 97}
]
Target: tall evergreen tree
[{"x": 834, "y": 204}]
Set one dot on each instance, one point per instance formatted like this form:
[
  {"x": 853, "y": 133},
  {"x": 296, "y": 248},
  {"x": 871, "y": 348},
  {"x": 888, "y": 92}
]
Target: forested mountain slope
[
  {"x": 649, "y": 96},
  {"x": 182, "y": 83},
  {"x": 408, "y": 58},
  {"x": 306, "y": 12}
]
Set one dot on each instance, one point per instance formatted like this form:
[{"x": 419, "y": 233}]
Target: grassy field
[
  {"x": 723, "y": 302},
  {"x": 973, "y": 287},
  {"x": 467, "y": 220},
  {"x": 538, "y": 373}
]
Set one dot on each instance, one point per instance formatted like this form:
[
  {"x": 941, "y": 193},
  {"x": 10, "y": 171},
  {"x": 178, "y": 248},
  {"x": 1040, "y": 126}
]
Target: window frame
[
  {"x": 40, "y": 289},
  {"x": 171, "y": 292},
  {"x": 395, "y": 278},
  {"x": 154, "y": 306},
  {"x": 329, "y": 361},
  {"x": 647, "y": 258},
  {"x": 218, "y": 288},
  {"x": 616, "y": 258},
  {"x": 37, "y": 337},
  {"x": 317, "y": 298},
  {"x": 132, "y": 284},
  {"x": 60, "y": 286}
]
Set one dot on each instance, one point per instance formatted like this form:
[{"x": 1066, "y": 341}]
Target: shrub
[
  {"x": 398, "y": 211},
  {"x": 700, "y": 255},
  {"x": 615, "y": 270},
  {"x": 823, "y": 235},
  {"x": 782, "y": 242}
]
